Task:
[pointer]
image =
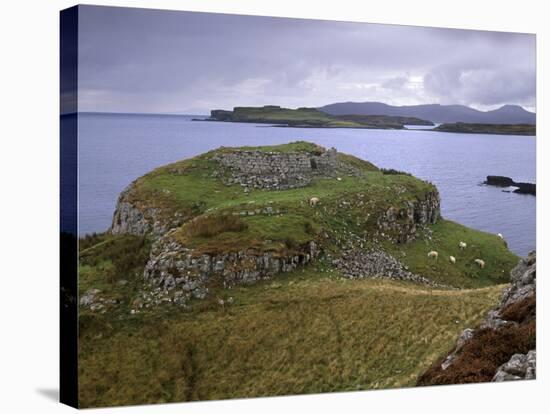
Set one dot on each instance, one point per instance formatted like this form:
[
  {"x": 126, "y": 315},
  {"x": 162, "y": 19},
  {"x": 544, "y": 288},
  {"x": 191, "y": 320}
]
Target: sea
[{"x": 115, "y": 149}]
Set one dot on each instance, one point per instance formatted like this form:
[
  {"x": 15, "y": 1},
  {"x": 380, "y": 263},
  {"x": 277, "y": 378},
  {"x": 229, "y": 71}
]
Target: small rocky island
[
  {"x": 312, "y": 118},
  {"x": 502, "y": 181},
  {"x": 246, "y": 214}
]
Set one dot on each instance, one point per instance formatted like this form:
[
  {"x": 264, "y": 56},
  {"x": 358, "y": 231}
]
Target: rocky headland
[
  {"x": 242, "y": 261},
  {"x": 311, "y": 118},
  {"x": 240, "y": 215},
  {"x": 503, "y": 347}
]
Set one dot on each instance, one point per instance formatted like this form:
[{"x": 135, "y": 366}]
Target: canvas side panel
[{"x": 68, "y": 207}]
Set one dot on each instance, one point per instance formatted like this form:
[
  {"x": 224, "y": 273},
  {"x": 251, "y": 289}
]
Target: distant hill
[{"x": 507, "y": 114}]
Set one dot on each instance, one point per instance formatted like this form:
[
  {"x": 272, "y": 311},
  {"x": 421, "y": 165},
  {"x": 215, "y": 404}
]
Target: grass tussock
[
  {"x": 118, "y": 256},
  {"x": 210, "y": 226},
  {"x": 489, "y": 348}
]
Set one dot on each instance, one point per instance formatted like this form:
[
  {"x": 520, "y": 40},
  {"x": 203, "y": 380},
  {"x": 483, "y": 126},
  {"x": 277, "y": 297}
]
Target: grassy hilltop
[
  {"x": 312, "y": 118},
  {"x": 312, "y": 329}
]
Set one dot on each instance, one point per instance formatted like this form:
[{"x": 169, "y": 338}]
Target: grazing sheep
[
  {"x": 313, "y": 201},
  {"x": 480, "y": 262},
  {"x": 452, "y": 259},
  {"x": 433, "y": 254},
  {"x": 462, "y": 245},
  {"x": 339, "y": 178},
  {"x": 500, "y": 236}
]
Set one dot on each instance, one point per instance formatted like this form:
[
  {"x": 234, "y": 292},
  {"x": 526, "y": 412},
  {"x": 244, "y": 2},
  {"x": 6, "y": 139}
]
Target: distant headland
[{"x": 311, "y": 118}]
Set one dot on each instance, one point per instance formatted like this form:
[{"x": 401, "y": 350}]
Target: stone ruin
[{"x": 276, "y": 170}]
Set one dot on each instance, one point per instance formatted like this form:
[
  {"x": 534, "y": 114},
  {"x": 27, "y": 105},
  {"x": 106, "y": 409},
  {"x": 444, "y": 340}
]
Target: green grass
[
  {"x": 278, "y": 233},
  {"x": 465, "y": 273},
  {"x": 196, "y": 189},
  {"x": 305, "y": 332},
  {"x": 188, "y": 187},
  {"x": 110, "y": 260}
]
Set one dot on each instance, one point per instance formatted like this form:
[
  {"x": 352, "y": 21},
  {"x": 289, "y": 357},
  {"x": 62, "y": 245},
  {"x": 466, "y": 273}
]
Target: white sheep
[
  {"x": 313, "y": 201},
  {"x": 462, "y": 245},
  {"x": 480, "y": 262},
  {"x": 500, "y": 236},
  {"x": 452, "y": 259},
  {"x": 433, "y": 254}
]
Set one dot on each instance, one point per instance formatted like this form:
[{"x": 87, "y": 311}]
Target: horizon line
[{"x": 313, "y": 107}]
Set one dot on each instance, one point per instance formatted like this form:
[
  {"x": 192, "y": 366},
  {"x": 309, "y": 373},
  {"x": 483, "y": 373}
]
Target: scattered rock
[
  {"x": 358, "y": 264},
  {"x": 520, "y": 366}
]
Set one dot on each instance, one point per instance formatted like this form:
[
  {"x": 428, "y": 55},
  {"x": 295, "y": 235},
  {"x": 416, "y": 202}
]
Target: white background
[{"x": 29, "y": 204}]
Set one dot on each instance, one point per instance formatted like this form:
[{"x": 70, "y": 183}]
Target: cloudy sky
[{"x": 137, "y": 60}]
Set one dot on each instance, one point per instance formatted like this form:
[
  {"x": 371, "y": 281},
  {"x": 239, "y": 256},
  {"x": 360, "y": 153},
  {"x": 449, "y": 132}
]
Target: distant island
[
  {"x": 507, "y": 114},
  {"x": 311, "y": 118},
  {"x": 502, "y": 181},
  {"x": 381, "y": 116},
  {"x": 500, "y": 129}
]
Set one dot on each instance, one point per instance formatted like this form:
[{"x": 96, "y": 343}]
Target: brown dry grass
[
  {"x": 301, "y": 334},
  {"x": 209, "y": 226}
]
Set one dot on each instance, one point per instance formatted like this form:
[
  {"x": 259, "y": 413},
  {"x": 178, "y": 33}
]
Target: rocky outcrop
[
  {"x": 520, "y": 366},
  {"x": 503, "y": 347},
  {"x": 172, "y": 266},
  {"x": 376, "y": 264},
  {"x": 526, "y": 188},
  {"x": 501, "y": 181},
  {"x": 131, "y": 218},
  {"x": 523, "y": 283},
  {"x": 401, "y": 224}
]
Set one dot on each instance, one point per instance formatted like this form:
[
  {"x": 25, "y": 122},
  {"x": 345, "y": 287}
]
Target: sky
[{"x": 155, "y": 61}]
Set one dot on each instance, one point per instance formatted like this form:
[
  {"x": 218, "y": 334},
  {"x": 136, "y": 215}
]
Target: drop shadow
[{"x": 51, "y": 394}]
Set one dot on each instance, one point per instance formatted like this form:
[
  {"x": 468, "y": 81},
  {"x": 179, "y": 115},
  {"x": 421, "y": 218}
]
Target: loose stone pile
[{"x": 358, "y": 264}]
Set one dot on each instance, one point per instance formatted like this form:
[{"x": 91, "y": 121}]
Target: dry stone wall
[{"x": 274, "y": 170}]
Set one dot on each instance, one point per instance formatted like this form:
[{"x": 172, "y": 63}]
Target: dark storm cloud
[{"x": 159, "y": 61}]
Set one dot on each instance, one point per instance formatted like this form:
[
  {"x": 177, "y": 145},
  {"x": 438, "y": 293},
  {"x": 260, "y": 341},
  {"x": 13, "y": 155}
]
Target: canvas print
[{"x": 257, "y": 206}]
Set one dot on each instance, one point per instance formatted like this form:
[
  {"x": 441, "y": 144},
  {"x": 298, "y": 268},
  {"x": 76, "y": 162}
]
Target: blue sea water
[{"x": 115, "y": 149}]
